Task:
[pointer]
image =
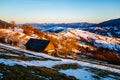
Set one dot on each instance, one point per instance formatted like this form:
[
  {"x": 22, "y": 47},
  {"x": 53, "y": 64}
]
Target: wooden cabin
[{"x": 40, "y": 45}]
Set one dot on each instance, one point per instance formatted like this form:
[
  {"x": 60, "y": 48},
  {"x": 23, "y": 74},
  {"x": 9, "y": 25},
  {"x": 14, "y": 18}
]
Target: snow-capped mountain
[
  {"x": 96, "y": 39},
  {"x": 109, "y": 28},
  {"x": 112, "y": 22},
  {"x": 57, "y": 28}
]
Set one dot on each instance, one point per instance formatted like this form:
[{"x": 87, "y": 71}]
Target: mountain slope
[
  {"x": 98, "y": 40},
  {"x": 62, "y": 27},
  {"x": 4, "y": 24},
  {"x": 112, "y": 22},
  {"x": 70, "y": 43},
  {"x": 21, "y": 64},
  {"x": 109, "y": 28}
]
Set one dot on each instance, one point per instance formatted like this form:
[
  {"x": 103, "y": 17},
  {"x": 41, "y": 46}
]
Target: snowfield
[
  {"x": 96, "y": 39},
  {"x": 83, "y": 73}
]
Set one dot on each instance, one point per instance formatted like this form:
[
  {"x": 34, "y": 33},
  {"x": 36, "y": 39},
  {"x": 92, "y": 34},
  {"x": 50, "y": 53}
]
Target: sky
[{"x": 59, "y": 11}]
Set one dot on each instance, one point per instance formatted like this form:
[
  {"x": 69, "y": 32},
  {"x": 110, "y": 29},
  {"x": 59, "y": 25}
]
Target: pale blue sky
[{"x": 59, "y": 11}]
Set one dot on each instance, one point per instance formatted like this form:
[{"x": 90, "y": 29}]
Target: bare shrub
[
  {"x": 28, "y": 29},
  {"x": 13, "y": 24},
  {"x": 106, "y": 55},
  {"x": 112, "y": 57}
]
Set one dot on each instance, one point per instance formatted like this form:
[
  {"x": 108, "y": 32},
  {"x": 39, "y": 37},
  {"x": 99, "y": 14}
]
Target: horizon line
[{"x": 57, "y": 22}]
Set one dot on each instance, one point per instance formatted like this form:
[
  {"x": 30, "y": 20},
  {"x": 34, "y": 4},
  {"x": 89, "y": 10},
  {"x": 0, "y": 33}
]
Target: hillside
[
  {"x": 19, "y": 64},
  {"x": 109, "y": 28},
  {"x": 112, "y": 22},
  {"x": 73, "y": 42},
  {"x": 75, "y": 51},
  {"x": 4, "y": 24}
]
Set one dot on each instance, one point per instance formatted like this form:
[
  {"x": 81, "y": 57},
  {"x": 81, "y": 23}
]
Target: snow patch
[
  {"x": 50, "y": 63},
  {"x": 11, "y": 62},
  {"x": 103, "y": 41},
  {"x": 80, "y": 74},
  {"x": 1, "y": 75},
  {"x": 92, "y": 65},
  {"x": 30, "y": 52}
]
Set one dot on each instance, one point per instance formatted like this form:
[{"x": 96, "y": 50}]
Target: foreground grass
[
  {"x": 98, "y": 73},
  {"x": 18, "y": 72},
  {"x": 67, "y": 66},
  {"x": 24, "y": 58},
  {"x": 21, "y": 55}
]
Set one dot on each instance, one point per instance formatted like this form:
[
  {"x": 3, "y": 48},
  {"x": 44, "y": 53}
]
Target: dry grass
[
  {"x": 18, "y": 72},
  {"x": 12, "y": 37},
  {"x": 64, "y": 46},
  {"x": 30, "y": 30},
  {"x": 67, "y": 66},
  {"x": 106, "y": 55}
]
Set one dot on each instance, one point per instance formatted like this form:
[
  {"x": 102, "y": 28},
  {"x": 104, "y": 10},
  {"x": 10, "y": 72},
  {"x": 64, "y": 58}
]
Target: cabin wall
[{"x": 49, "y": 47}]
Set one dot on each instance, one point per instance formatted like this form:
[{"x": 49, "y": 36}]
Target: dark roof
[{"x": 37, "y": 44}]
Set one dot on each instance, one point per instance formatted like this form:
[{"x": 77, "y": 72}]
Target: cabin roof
[{"x": 37, "y": 44}]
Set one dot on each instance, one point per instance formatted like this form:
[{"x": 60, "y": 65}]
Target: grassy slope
[{"x": 19, "y": 72}]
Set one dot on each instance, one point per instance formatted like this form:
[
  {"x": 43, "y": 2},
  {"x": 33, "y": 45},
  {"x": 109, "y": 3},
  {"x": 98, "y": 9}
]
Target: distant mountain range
[
  {"x": 109, "y": 28},
  {"x": 113, "y": 22},
  {"x": 61, "y": 27}
]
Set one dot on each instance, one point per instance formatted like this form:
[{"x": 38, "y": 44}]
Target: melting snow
[
  {"x": 34, "y": 53},
  {"x": 92, "y": 65},
  {"x": 50, "y": 63},
  {"x": 1, "y": 75},
  {"x": 47, "y": 63},
  {"x": 78, "y": 73},
  {"x": 103, "y": 41},
  {"x": 11, "y": 62}
]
